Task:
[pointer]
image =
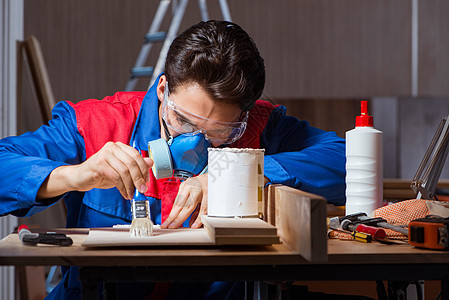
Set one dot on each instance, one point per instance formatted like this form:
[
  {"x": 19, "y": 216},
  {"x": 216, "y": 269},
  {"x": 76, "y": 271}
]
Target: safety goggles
[{"x": 185, "y": 122}]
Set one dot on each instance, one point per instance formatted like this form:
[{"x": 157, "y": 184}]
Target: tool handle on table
[
  {"x": 375, "y": 232},
  {"x": 362, "y": 237},
  {"x": 51, "y": 238}
]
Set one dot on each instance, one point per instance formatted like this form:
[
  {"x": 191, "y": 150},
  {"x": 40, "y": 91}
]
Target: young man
[{"x": 91, "y": 153}]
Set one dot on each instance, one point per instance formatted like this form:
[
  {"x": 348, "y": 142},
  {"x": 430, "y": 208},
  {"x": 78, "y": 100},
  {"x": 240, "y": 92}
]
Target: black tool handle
[{"x": 49, "y": 238}]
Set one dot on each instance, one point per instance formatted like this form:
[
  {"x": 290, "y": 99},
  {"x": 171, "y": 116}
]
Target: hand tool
[
  {"x": 347, "y": 223},
  {"x": 380, "y": 222},
  {"x": 358, "y": 236},
  {"x": 430, "y": 232},
  {"x": 51, "y": 238},
  {"x": 377, "y": 233},
  {"x": 353, "y": 216},
  {"x": 141, "y": 224},
  {"x": 336, "y": 221}
]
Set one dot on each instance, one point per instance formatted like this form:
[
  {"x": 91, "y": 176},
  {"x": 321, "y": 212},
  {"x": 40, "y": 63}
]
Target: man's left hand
[{"x": 191, "y": 198}]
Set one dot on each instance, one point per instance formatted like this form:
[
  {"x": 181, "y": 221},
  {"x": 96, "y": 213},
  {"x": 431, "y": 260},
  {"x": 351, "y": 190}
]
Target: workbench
[
  {"x": 347, "y": 260},
  {"x": 344, "y": 260}
]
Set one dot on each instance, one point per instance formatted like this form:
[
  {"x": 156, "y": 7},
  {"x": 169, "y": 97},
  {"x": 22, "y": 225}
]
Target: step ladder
[{"x": 155, "y": 36}]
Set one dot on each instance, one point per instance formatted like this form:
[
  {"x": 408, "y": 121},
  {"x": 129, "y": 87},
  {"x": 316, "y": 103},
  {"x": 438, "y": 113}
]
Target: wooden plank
[
  {"x": 40, "y": 77},
  {"x": 160, "y": 237},
  {"x": 246, "y": 240},
  {"x": 398, "y": 194},
  {"x": 399, "y": 189},
  {"x": 238, "y": 226},
  {"x": 301, "y": 222},
  {"x": 240, "y": 231},
  {"x": 271, "y": 204},
  {"x": 231, "y": 231},
  {"x": 394, "y": 183}
]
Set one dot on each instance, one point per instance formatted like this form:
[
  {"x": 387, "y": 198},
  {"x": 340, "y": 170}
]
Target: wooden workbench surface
[
  {"x": 12, "y": 252},
  {"x": 352, "y": 252}
]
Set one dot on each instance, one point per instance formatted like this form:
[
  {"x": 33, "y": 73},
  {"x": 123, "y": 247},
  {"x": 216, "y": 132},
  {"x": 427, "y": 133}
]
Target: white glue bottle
[{"x": 364, "y": 178}]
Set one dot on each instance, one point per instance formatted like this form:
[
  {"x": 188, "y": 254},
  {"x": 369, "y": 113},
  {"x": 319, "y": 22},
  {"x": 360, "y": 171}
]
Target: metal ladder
[{"x": 154, "y": 36}]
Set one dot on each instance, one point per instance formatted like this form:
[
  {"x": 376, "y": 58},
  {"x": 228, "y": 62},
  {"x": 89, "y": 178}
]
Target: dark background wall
[
  {"x": 313, "y": 49},
  {"x": 322, "y": 57}
]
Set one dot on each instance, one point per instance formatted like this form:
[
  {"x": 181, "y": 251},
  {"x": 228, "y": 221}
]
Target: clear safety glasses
[{"x": 184, "y": 122}]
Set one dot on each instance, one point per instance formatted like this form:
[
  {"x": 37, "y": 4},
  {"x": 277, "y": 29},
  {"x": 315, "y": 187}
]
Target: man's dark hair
[{"x": 222, "y": 58}]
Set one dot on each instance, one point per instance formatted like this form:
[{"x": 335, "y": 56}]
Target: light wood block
[
  {"x": 238, "y": 226},
  {"x": 301, "y": 222},
  {"x": 259, "y": 240},
  {"x": 270, "y": 204},
  {"x": 41, "y": 81},
  {"x": 240, "y": 231}
]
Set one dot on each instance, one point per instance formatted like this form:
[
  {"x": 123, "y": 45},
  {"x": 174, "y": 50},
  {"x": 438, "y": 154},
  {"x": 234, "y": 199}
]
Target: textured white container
[
  {"x": 364, "y": 179},
  {"x": 235, "y": 182}
]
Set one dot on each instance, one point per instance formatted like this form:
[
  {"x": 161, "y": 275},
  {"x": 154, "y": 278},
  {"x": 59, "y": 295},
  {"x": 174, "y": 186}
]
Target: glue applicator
[{"x": 364, "y": 179}]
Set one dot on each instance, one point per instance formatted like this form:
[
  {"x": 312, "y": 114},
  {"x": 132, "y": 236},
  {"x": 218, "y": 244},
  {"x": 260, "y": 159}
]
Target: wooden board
[
  {"x": 240, "y": 231},
  {"x": 232, "y": 231},
  {"x": 13, "y": 252},
  {"x": 238, "y": 226},
  {"x": 248, "y": 240},
  {"x": 301, "y": 222},
  {"x": 160, "y": 237}
]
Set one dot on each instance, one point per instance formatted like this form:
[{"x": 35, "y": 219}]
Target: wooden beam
[
  {"x": 41, "y": 81},
  {"x": 301, "y": 222}
]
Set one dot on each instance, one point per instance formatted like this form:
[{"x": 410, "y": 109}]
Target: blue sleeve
[
  {"x": 304, "y": 157},
  {"x": 27, "y": 160}
]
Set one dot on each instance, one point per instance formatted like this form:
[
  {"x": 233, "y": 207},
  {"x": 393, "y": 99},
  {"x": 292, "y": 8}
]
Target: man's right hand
[{"x": 114, "y": 165}]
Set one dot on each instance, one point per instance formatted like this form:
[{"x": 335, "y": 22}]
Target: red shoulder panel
[
  {"x": 258, "y": 118},
  {"x": 110, "y": 119}
]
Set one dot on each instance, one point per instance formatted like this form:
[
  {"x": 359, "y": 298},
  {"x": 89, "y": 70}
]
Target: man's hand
[
  {"x": 191, "y": 198},
  {"x": 114, "y": 165}
]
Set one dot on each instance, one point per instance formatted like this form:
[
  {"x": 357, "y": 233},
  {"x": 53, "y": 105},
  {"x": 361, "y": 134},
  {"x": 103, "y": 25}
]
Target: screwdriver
[
  {"x": 377, "y": 233},
  {"x": 358, "y": 236}
]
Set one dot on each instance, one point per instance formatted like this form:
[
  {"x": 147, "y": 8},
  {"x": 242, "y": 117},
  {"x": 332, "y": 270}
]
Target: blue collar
[{"x": 147, "y": 127}]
